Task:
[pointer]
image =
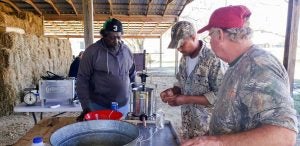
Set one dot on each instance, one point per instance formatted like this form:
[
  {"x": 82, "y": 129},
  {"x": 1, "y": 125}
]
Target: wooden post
[
  {"x": 88, "y": 22},
  {"x": 176, "y": 57},
  {"x": 176, "y": 62},
  {"x": 160, "y": 51},
  {"x": 291, "y": 36}
]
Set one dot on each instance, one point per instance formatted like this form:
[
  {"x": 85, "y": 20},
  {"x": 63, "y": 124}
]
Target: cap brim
[
  {"x": 205, "y": 28},
  {"x": 173, "y": 44}
]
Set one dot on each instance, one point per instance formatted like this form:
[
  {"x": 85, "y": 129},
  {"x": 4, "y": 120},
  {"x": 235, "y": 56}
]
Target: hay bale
[
  {"x": 30, "y": 23},
  {"x": 5, "y": 8},
  {"x": 12, "y": 29},
  {"x": 23, "y": 59}
]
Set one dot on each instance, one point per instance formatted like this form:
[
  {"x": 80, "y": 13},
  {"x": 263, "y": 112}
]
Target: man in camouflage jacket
[{"x": 199, "y": 77}]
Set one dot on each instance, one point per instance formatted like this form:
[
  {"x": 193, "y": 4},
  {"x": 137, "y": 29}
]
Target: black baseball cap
[{"x": 113, "y": 25}]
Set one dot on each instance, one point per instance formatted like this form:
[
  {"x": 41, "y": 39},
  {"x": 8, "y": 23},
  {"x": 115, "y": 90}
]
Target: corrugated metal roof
[{"x": 141, "y": 18}]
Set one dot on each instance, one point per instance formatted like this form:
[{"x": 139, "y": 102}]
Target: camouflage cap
[{"x": 180, "y": 31}]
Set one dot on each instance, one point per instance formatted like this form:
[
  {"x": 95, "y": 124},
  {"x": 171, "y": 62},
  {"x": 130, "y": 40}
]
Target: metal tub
[{"x": 96, "y": 133}]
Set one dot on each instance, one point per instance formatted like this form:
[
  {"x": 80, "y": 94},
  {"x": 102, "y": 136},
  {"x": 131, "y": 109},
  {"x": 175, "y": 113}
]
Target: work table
[{"x": 149, "y": 135}]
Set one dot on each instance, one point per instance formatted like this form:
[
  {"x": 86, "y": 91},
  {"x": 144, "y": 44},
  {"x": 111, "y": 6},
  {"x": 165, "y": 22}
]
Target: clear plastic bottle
[
  {"x": 160, "y": 119},
  {"x": 37, "y": 141}
]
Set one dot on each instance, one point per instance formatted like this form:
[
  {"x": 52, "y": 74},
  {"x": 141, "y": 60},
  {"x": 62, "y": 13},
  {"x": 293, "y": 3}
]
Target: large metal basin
[{"x": 96, "y": 133}]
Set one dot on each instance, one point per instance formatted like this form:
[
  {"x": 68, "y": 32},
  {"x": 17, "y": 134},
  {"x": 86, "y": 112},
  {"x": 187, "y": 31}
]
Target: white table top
[{"x": 63, "y": 107}]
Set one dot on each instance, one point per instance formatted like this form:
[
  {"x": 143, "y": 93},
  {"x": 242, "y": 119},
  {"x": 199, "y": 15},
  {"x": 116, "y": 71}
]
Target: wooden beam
[
  {"x": 72, "y": 5},
  {"x": 34, "y": 6},
  {"x": 57, "y": 27},
  {"x": 160, "y": 51},
  {"x": 148, "y": 7},
  {"x": 88, "y": 10},
  {"x": 98, "y": 36},
  {"x": 142, "y": 28},
  {"x": 101, "y": 17},
  {"x": 290, "y": 46},
  {"x": 155, "y": 28},
  {"x": 127, "y": 28},
  {"x": 110, "y": 7},
  {"x": 12, "y": 5},
  {"x": 167, "y": 5},
  {"x": 186, "y": 3},
  {"x": 54, "y": 7},
  {"x": 129, "y": 7}
]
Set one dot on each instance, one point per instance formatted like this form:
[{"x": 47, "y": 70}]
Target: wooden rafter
[
  {"x": 127, "y": 28},
  {"x": 167, "y": 5},
  {"x": 142, "y": 28},
  {"x": 186, "y": 2},
  {"x": 148, "y": 7},
  {"x": 137, "y": 16},
  {"x": 98, "y": 36},
  {"x": 54, "y": 7},
  {"x": 155, "y": 27},
  {"x": 110, "y": 7},
  {"x": 70, "y": 26},
  {"x": 34, "y": 6},
  {"x": 72, "y": 29},
  {"x": 12, "y": 5},
  {"x": 129, "y": 7},
  {"x": 72, "y": 4},
  {"x": 100, "y": 17}
]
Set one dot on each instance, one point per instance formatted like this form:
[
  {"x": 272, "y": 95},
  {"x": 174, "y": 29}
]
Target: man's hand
[
  {"x": 81, "y": 116},
  {"x": 203, "y": 141},
  {"x": 176, "y": 100},
  {"x": 165, "y": 94}
]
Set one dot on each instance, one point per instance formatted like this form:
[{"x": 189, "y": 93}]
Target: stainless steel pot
[
  {"x": 142, "y": 101},
  {"x": 96, "y": 133}
]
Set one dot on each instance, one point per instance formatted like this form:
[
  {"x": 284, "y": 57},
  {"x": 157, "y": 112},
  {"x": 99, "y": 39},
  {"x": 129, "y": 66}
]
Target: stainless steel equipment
[
  {"x": 96, "y": 132},
  {"x": 143, "y": 101},
  {"x": 56, "y": 91}
]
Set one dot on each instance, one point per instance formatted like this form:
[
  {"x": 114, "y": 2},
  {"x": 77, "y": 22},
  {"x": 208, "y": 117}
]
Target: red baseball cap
[{"x": 227, "y": 17}]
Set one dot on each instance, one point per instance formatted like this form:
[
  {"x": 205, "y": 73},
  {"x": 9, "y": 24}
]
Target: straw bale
[
  {"x": 12, "y": 29},
  {"x": 30, "y": 23},
  {"x": 5, "y": 8},
  {"x": 24, "y": 58}
]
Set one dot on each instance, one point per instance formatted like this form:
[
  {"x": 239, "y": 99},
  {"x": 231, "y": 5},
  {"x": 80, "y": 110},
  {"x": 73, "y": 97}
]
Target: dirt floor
[{"x": 13, "y": 127}]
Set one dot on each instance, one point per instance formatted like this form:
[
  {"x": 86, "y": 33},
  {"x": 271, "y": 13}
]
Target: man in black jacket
[{"x": 75, "y": 65}]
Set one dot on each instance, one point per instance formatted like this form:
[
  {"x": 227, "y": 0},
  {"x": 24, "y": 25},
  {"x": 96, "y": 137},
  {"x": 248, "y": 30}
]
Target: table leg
[
  {"x": 34, "y": 117},
  {"x": 41, "y": 116},
  {"x": 58, "y": 114}
]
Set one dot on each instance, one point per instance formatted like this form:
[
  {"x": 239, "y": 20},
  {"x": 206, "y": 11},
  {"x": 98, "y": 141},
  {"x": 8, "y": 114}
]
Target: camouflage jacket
[
  {"x": 203, "y": 80},
  {"x": 255, "y": 91}
]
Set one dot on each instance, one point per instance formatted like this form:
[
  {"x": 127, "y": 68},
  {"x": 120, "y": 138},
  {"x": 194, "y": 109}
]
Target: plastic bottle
[
  {"x": 37, "y": 141},
  {"x": 160, "y": 119}
]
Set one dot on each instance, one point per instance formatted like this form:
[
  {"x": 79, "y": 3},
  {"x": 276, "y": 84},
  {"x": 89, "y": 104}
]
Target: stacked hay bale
[
  {"x": 23, "y": 59},
  {"x": 30, "y": 23}
]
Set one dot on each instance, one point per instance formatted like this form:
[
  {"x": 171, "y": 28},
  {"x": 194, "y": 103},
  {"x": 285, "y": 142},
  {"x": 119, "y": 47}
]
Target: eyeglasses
[{"x": 208, "y": 37}]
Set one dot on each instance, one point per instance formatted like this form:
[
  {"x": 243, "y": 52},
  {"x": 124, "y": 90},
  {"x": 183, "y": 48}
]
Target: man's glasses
[{"x": 208, "y": 37}]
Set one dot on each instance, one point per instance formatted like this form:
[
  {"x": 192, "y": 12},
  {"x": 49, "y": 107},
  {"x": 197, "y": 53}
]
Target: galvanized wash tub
[{"x": 96, "y": 133}]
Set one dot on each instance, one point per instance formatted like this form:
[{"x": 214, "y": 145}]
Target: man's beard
[{"x": 114, "y": 48}]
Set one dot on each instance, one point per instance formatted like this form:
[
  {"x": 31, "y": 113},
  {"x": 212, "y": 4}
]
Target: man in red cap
[{"x": 254, "y": 106}]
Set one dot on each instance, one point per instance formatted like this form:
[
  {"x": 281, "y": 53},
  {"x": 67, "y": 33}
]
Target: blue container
[{"x": 114, "y": 106}]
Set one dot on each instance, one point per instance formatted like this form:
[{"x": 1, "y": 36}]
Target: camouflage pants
[{"x": 195, "y": 120}]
